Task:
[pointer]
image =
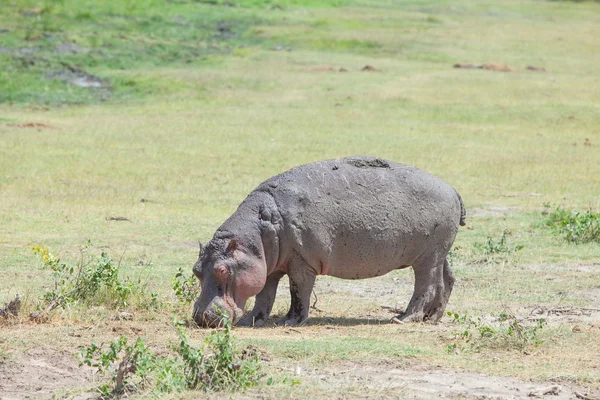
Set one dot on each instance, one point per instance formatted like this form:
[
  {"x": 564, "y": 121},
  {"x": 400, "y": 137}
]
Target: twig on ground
[
  {"x": 117, "y": 218},
  {"x": 314, "y": 305},
  {"x": 394, "y": 310},
  {"x": 554, "y": 390},
  {"x": 585, "y": 397},
  {"x": 125, "y": 367}
]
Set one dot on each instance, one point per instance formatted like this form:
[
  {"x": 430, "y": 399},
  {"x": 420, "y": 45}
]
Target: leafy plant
[
  {"x": 574, "y": 226},
  {"x": 91, "y": 280},
  {"x": 218, "y": 366},
  {"x": 226, "y": 369},
  {"x": 136, "y": 359},
  {"x": 499, "y": 246},
  {"x": 186, "y": 287},
  {"x": 509, "y": 333}
]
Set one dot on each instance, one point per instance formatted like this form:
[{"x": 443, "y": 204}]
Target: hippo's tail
[{"x": 463, "y": 211}]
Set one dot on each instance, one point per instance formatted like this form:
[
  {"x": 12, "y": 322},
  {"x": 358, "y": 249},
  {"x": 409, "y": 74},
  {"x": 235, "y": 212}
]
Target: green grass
[
  {"x": 44, "y": 39},
  {"x": 332, "y": 349},
  {"x": 202, "y": 102}
]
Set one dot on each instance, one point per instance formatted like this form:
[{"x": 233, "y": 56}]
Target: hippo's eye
[{"x": 222, "y": 273}]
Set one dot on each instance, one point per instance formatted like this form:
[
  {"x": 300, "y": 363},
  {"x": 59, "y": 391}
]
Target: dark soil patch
[
  {"x": 370, "y": 68},
  {"x": 488, "y": 67},
  {"x": 26, "y": 125}
]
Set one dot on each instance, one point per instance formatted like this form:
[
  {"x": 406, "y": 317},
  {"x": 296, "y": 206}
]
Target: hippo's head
[{"x": 229, "y": 274}]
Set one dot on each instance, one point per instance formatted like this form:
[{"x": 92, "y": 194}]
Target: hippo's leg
[
  {"x": 449, "y": 280},
  {"x": 263, "y": 303},
  {"x": 433, "y": 285},
  {"x": 302, "y": 280}
]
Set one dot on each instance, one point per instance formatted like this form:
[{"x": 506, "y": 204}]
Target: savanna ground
[{"x": 167, "y": 113}]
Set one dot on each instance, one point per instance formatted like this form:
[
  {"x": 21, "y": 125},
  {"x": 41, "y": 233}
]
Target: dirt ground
[
  {"x": 44, "y": 374},
  {"x": 51, "y": 371}
]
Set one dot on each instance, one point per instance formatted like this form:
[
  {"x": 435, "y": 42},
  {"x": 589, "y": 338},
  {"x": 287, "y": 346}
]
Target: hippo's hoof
[
  {"x": 286, "y": 321},
  {"x": 250, "y": 320}
]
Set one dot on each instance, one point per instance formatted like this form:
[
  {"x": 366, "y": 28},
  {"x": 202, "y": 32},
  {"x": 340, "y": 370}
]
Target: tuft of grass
[
  {"x": 574, "y": 226},
  {"x": 509, "y": 333},
  {"x": 499, "y": 246}
]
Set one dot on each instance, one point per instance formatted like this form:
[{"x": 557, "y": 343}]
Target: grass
[{"x": 201, "y": 102}]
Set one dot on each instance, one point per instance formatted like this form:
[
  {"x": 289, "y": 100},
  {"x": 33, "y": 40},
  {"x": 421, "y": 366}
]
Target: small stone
[{"x": 122, "y": 316}]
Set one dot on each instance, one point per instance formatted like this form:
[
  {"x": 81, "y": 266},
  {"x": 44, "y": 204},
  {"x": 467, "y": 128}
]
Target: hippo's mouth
[{"x": 217, "y": 311}]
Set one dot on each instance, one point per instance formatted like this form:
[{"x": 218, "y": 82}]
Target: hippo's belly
[{"x": 357, "y": 241}]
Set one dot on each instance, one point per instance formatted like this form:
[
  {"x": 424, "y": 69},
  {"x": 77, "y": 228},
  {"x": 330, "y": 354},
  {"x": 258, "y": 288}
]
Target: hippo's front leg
[
  {"x": 263, "y": 303},
  {"x": 302, "y": 280}
]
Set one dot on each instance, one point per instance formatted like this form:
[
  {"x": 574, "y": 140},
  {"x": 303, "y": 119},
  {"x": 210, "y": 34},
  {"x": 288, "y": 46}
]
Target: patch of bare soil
[
  {"x": 370, "y": 68},
  {"x": 359, "y": 381},
  {"x": 37, "y": 125},
  {"x": 39, "y": 373},
  {"x": 326, "y": 68},
  {"x": 497, "y": 67},
  {"x": 535, "y": 69},
  {"x": 488, "y": 67}
]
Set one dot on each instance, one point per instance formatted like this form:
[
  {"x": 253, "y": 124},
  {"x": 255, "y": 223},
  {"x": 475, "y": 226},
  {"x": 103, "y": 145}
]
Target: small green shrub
[
  {"x": 226, "y": 370},
  {"x": 136, "y": 359},
  {"x": 498, "y": 246},
  {"x": 91, "y": 280},
  {"x": 509, "y": 334},
  {"x": 186, "y": 287},
  {"x": 219, "y": 366},
  {"x": 152, "y": 303},
  {"x": 574, "y": 226}
]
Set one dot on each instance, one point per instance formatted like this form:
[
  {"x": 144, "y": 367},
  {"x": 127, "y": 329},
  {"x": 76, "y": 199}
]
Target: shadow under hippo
[{"x": 351, "y": 218}]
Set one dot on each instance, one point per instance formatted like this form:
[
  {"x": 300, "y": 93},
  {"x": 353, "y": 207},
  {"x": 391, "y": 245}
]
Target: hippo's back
[{"x": 358, "y": 217}]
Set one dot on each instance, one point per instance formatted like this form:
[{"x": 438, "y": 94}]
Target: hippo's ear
[
  {"x": 232, "y": 246},
  {"x": 201, "y": 249}
]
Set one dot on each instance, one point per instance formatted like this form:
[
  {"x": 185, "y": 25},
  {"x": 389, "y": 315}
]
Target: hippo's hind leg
[
  {"x": 433, "y": 284},
  {"x": 263, "y": 303},
  {"x": 449, "y": 280},
  {"x": 302, "y": 280}
]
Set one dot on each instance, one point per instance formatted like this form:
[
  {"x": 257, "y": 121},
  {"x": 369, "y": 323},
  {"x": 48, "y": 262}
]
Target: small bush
[
  {"x": 216, "y": 367},
  {"x": 186, "y": 287},
  {"x": 136, "y": 359},
  {"x": 574, "y": 226},
  {"x": 91, "y": 280},
  {"x": 508, "y": 334},
  {"x": 498, "y": 246}
]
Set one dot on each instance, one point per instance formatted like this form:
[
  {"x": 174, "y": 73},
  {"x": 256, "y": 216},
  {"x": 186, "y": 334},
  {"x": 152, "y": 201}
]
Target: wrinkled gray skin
[{"x": 352, "y": 218}]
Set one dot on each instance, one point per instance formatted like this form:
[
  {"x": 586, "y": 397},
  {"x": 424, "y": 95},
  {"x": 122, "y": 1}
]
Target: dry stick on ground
[
  {"x": 125, "y": 367},
  {"x": 117, "y": 218},
  {"x": 554, "y": 390},
  {"x": 584, "y": 397},
  {"x": 393, "y": 309},
  {"x": 57, "y": 302},
  {"x": 314, "y": 305},
  {"x": 564, "y": 310}
]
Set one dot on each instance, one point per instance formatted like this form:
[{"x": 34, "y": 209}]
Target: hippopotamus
[{"x": 351, "y": 218}]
